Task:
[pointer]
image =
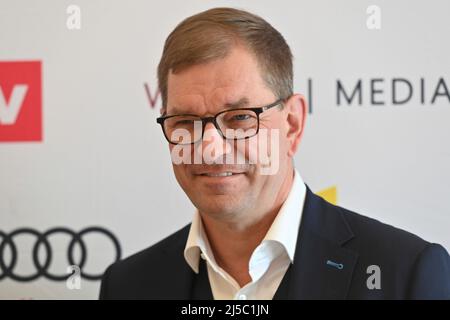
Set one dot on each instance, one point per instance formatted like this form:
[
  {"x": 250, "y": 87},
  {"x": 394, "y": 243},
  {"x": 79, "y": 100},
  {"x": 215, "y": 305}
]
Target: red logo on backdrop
[{"x": 20, "y": 101}]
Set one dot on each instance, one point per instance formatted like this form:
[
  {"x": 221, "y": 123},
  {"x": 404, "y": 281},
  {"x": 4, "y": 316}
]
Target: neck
[{"x": 233, "y": 244}]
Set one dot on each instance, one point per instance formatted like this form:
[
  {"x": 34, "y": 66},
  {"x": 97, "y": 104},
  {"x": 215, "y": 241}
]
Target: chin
[{"x": 219, "y": 206}]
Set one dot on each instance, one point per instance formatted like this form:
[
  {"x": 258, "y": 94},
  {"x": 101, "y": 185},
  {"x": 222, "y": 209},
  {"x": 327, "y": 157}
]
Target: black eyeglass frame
[{"x": 205, "y": 120}]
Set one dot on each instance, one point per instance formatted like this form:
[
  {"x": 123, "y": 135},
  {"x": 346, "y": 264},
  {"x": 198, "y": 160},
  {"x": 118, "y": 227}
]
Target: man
[{"x": 226, "y": 77}]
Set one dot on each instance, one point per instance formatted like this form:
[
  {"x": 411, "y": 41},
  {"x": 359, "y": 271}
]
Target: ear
[{"x": 296, "y": 115}]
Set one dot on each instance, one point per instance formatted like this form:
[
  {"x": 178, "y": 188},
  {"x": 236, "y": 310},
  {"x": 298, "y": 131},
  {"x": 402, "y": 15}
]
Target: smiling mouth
[{"x": 220, "y": 174}]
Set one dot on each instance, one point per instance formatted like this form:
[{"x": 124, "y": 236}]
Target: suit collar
[{"x": 325, "y": 219}]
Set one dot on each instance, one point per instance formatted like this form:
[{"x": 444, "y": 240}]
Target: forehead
[{"x": 206, "y": 87}]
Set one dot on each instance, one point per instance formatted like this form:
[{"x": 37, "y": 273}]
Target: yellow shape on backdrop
[{"x": 329, "y": 194}]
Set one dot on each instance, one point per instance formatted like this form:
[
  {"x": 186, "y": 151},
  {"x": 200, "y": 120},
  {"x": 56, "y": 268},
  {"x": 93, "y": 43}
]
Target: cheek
[
  {"x": 247, "y": 150},
  {"x": 181, "y": 154},
  {"x": 182, "y": 177},
  {"x": 277, "y": 137},
  {"x": 265, "y": 145},
  {"x": 178, "y": 169}
]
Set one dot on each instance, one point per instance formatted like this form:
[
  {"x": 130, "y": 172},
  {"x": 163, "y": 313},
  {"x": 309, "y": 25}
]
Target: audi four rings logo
[{"x": 7, "y": 240}]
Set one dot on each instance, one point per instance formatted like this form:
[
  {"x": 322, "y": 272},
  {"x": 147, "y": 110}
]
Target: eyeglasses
[{"x": 233, "y": 124}]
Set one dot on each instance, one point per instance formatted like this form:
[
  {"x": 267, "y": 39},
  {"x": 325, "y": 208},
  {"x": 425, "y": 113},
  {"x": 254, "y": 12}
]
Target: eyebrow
[{"x": 241, "y": 103}]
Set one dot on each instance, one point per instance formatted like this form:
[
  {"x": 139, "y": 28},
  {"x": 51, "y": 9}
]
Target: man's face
[{"x": 205, "y": 90}]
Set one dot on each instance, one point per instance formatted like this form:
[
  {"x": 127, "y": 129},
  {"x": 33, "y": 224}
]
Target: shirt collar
[
  {"x": 197, "y": 243},
  {"x": 284, "y": 229},
  {"x": 285, "y": 226}
]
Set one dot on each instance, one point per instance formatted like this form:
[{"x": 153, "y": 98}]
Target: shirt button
[
  {"x": 203, "y": 256},
  {"x": 242, "y": 297}
]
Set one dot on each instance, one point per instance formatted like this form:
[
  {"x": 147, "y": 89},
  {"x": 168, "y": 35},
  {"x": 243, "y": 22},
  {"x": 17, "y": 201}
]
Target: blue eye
[{"x": 240, "y": 117}]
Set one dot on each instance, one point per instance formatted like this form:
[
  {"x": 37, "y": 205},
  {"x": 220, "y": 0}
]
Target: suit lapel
[
  {"x": 180, "y": 275},
  {"x": 201, "y": 288},
  {"x": 313, "y": 278},
  {"x": 185, "y": 284},
  {"x": 322, "y": 268}
]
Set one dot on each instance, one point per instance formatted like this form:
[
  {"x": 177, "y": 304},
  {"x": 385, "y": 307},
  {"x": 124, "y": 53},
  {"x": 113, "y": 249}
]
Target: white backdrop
[{"x": 102, "y": 160}]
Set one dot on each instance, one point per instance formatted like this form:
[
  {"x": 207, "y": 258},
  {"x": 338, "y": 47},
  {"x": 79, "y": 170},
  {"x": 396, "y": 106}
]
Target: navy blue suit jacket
[{"x": 410, "y": 268}]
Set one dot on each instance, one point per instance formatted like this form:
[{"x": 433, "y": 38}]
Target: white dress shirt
[{"x": 269, "y": 261}]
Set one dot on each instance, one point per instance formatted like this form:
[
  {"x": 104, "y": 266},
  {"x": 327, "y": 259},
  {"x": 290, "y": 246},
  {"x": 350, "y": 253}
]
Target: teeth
[{"x": 220, "y": 174}]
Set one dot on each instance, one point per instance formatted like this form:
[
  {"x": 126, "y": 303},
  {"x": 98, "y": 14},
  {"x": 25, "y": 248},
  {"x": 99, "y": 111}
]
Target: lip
[
  {"x": 220, "y": 179},
  {"x": 223, "y": 173},
  {"x": 216, "y": 171}
]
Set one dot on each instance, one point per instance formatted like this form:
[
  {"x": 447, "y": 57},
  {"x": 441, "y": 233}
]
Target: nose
[{"x": 213, "y": 146}]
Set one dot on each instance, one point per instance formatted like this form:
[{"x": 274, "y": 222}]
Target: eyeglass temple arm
[{"x": 276, "y": 103}]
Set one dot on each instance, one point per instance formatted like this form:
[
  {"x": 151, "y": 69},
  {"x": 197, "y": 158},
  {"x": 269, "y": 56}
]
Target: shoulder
[
  {"x": 381, "y": 236},
  {"x": 160, "y": 250},
  {"x": 147, "y": 273},
  {"x": 359, "y": 232},
  {"x": 420, "y": 268}
]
